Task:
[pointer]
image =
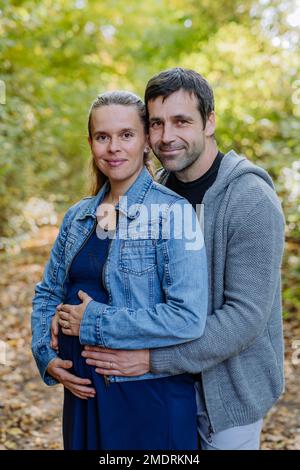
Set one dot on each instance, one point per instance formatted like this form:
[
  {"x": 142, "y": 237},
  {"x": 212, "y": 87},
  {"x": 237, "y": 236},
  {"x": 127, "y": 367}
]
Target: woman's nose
[{"x": 114, "y": 145}]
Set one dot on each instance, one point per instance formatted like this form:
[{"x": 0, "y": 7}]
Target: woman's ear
[
  {"x": 147, "y": 145},
  {"x": 90, "y": 141}
]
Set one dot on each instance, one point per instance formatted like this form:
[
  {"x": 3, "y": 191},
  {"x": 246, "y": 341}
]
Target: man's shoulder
[
  {"x": 245, "y": 177},
  {"x": 253, "y": 187}
]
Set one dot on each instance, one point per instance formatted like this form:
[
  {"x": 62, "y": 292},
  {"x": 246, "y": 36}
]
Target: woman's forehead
[{"x": 115, "y": 117}]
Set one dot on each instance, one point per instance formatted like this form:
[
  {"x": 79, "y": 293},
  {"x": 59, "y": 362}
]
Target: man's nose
[{"x": 167, "y": 134}]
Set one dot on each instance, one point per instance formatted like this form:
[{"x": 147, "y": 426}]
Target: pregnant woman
[{"x": 127, "y": 271}]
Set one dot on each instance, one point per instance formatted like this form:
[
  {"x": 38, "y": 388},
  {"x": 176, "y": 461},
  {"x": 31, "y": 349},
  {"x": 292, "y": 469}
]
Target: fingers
[
  {"x": 65, "y": 364},
  {"x": 106, "y": 365},
  {"x": 84, "y": 297},
  {"x": 99, "y": 355},
  {"x": 60, "y": 363},
  {"x": 54, "y": 325},
  {"x": 63, "y": 323},
  {"x": 94, "y": 348},
  {"x": 63, "y": 315},
  {"x": 81, "y": 391},
  {"x": 54, "y": 341},
  {"x": 101, "y": 371},
  {"x": 78, "y": 395},
  {"x": 54, "y": 334},
  {"x": 66, "y": 308},
  {"x": 74, "y": 380},
  {"x": 68, "y": 332}
]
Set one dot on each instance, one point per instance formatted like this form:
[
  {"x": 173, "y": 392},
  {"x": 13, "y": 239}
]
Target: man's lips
[{"x": 170, "y": 151}]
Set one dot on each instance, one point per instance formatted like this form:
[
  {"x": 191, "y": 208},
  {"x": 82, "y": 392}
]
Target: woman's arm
[
  {"x": 48, "y": 294},
  {"x": 179, "y": 319}
]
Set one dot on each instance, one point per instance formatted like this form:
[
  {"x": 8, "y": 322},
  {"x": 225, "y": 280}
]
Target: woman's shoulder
[
  {"x": 162, "y": 194},
  {"x": 80, "y": 208}
]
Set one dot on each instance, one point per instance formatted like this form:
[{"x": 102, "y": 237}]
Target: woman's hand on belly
[
  {"x": 78, "y": 386},
  {"x": 69, "y": 316}
]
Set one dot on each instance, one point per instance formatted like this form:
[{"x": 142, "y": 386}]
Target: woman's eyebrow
[{"x": 125, "y": 129}]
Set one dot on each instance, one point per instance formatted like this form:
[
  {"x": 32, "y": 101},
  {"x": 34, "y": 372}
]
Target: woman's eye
[
  {"x": 127, "y": 135},
  {"x": 102, "y": 138}
]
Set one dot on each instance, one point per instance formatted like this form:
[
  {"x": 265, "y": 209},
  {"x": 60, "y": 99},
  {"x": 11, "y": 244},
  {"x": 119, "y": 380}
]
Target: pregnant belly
[{"x": 70, "y": 349}]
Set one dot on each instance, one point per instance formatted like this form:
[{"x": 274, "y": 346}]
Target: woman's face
[{"x": 118, "y": 142}]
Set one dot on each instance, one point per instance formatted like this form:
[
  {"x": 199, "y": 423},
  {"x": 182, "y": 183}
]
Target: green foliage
[{"x": 55, "y": 56}]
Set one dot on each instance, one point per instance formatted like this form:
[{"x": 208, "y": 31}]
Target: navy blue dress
[{"x": 131, "y": 415}]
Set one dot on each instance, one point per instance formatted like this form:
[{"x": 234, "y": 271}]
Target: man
[{"x": 240, "y": 355}]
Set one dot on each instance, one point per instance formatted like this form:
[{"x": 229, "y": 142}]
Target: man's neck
[{"x": 201, "y": 165}]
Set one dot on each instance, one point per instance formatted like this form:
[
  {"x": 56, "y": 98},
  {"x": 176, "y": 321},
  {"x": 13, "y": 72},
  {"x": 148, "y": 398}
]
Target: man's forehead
[{"x": 178, "y": 102}]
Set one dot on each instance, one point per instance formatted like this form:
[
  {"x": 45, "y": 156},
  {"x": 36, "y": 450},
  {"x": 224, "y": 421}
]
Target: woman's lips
[{"x": 115, "y": 163}]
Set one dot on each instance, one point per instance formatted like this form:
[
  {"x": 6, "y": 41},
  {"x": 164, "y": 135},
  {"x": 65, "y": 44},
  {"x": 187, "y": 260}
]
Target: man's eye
[
  {"x": 181, "y": 122},
  {"x": 155, "y": 124}
]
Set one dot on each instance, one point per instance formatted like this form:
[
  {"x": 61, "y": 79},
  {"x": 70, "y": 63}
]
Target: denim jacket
[{"x": 155, "y": 275}]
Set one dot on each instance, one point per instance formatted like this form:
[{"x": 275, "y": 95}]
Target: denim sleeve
[
  {"x": 184, "y": 283},
  {"x": 48, "y": 294}
]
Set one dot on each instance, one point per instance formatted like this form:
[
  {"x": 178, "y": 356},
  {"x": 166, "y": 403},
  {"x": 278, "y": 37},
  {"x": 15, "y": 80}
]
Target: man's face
[{"x": 176, "y": 130}]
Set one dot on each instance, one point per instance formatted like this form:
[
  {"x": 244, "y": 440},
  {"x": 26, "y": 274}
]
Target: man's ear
[{"x": 210, "y": 125}]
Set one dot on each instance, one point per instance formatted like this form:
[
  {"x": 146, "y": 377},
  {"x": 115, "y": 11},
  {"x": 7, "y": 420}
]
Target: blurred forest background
[{"x": 56, "y": 56}]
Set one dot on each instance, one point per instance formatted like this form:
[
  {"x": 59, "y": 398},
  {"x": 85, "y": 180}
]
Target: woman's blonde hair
[{"x": 124, "y": 98}]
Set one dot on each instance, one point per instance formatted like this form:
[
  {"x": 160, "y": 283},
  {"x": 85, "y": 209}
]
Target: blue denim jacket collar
[
  {"x": 90, "y": 209},
  {"x": 130, "y": 205}
]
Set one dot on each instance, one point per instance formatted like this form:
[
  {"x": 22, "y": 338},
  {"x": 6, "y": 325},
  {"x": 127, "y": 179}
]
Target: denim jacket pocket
[{"x": 138, "y": 256}]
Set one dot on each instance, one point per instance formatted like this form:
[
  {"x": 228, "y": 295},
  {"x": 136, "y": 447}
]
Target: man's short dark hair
[{"x": 169, "y": 81}]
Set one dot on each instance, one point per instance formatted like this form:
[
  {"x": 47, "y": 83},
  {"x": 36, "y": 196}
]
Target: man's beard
[{"x": 180, "y": 163}]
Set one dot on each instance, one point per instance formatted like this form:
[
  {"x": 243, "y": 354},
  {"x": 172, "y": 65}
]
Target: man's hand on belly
[{"x": 117, "y": 362}]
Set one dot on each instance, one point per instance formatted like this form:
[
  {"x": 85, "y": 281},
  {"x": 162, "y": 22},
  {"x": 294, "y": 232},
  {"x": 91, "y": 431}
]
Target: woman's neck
[
  {"x": 119, "y": 188},
  {"x": 116, "y": 192}
]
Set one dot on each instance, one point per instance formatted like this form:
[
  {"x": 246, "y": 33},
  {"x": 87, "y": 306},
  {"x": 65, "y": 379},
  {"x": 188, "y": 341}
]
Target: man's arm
[{"x": 252, "y": 276}]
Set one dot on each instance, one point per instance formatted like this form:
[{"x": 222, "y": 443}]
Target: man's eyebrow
[
  {"x": 185, "y": 117},
  {"x": 155, "y": 119}
]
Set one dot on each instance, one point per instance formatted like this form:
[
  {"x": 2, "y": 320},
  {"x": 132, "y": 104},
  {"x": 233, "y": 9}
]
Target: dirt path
[{"x": 30, "y": 412}]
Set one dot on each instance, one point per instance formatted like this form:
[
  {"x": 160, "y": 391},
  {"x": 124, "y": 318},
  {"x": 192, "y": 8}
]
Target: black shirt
[{"x": 194, "y": 191}]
